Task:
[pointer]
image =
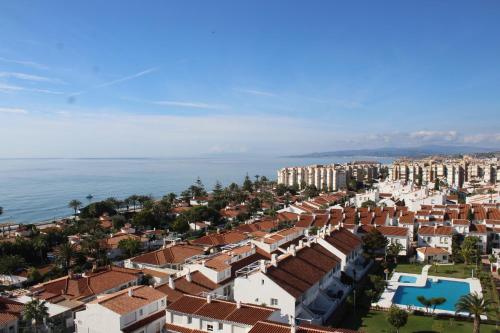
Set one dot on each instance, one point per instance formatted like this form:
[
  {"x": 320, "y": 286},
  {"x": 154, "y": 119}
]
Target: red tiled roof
[
  {"x": 441, "y": 230},
  {"x": 175, "y": 254},
  {"x": 9, "y": 310},
  {"x": 121, "y": 303},
  {"x": 216, "y": 239},
  {"x": 247, "y": 314},
  {"x": 344, "y": 240},
  {"x": 199, "y": 283},
  {"x": 274, "y": 327}
]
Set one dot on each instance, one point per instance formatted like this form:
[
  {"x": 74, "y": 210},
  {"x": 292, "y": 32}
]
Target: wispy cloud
[
  {"x": 24, "y": 63},
  {"x": 120, "y": 80},
  {"x": 13, "y": 110},
  {"x": 256, "y": 92},
  {"x": 127, "y": 78},
  {"x": 434, "y": 135},
  {"x": 190, "y": 104},
  {"x": 30, "y": 77},
  {"x": 7, "y": 88}
]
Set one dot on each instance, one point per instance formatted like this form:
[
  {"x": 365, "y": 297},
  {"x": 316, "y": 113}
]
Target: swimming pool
[
  {"x": 451, "y": 290},
  {"x": 407, "y": 279}
]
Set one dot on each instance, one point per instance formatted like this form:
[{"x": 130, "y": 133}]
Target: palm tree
[
  {"x": 65, "y": 252},
  {"x": 35, "y": 312},
  {"x": 426, "y": 302},
  {"x": 436, "y": 301},
  {"x": 75, "y": 204},
  {"x": 475, "y": 305},
  {"x": 133, "y": 199},
  {"x": 393, "y": 251}
]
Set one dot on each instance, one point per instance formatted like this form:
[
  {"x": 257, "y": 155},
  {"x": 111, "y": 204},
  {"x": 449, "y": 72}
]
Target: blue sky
[{"x": 164, "y": 78}]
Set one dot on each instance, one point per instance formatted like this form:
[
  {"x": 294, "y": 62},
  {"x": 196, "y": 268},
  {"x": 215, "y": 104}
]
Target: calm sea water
[{"x": 34, "y": 190}]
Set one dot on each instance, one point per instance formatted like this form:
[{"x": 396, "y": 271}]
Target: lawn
[
  {"x": 376, "y": 322},
  {"x": 459, "y": 271}
]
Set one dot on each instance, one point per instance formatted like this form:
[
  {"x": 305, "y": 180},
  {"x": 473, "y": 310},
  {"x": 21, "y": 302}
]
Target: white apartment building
[
  {"x": 435, "y": 236},
  {"x": 139, "y": 309}
]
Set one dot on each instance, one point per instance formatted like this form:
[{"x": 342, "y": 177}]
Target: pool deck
[{"x": 385, "y": 300}]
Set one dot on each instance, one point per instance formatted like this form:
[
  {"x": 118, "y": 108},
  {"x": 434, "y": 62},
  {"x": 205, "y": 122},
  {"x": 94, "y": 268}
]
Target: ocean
[{"x": 35, "y": 190}]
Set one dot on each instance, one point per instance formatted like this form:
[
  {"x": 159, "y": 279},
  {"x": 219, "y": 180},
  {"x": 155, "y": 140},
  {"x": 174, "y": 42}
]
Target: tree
[
  {"x": 369, "y": 203},
  {"x": 247, "y": 184},
  {"x": 469, "y": 249},
  {"x": 437, "y": 301},
  {"x": 34, "y": 275},
  {"x": 426, "y": 302},
  {"x": 393, "y": 251},
  {"x": 64, "y": 254},
  {"x": 130, "y": 246},
  {"x": 9, "y": 264},
  {"x": 373, "y": 242},
  {"x": 311, "y": 191},
  {"x": 475, "y": 305},
  {"x": 75, "y": 204},
  {"x": 397, "y": 317},
  {"x": 35, "y": 312},
  {"x": 470, "y": 215},
  {"x": 96, "y": 209},
  {"x": 1, "y": 210},
  {"x": 436, "y": 184}
]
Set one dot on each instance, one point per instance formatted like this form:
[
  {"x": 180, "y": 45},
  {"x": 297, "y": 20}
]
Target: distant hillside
[{"x": 395, "y": 152}]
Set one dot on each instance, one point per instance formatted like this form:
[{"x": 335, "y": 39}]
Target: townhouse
[
  {"x": 10, "y": 314},
  {"x": 138, "y": 309},
  {"x": 394, "y": 235},
  {"x": 209, "y": 314},
  {"x": 435, "y": 236},
  {"x": 304, "y": 283}
]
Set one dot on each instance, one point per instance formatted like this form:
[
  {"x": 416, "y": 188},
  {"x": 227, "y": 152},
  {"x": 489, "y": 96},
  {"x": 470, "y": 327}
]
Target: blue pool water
[
  {"x": 407, "y": 279},
  {"x": 451, "y": 290}
]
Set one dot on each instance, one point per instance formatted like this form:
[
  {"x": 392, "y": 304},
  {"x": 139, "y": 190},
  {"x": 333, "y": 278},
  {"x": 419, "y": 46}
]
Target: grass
[
  {"x": 376, "y": 322},
  {"x": 460, "y": 271}
]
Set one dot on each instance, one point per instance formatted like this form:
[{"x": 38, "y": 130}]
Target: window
[
  {"x": 140, "y": 312},
  {"x": 210, "y": 328},
  {"x": 274, "y": 301},
  {"x": 221, "y": 326},
  {"x": 190, "y": 319},
  {"x": 262, "y": 282},
  {"x": 162, "y": 302}
]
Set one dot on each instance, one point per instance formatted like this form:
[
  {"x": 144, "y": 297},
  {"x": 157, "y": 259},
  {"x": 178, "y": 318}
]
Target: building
[
  {"x": 435, "y": 236},
  {"x": 428, "y": 255},
  {"x": 207, "y": 314},
  {"x": 138, "y": 309},
  {"x": 10, "y": 313}
]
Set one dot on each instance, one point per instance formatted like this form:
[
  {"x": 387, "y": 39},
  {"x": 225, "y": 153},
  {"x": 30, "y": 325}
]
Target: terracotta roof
[
  {"x": 477, "y": 229},
  {"x": 247, "y": 314},
  {"x": 296, "y": 274},
  {"x": 180, "y": 329},
  {"x": 175, "y": 254},
  {"x": 9, "y": 310},
  {"x": 143, "y": 322},
  {"x": 121, "y": 303},
  {"x": 344, "y": 240},
  {"x": 385, "y": 230},
  {"x": 199, "y": 283},
  {"x": 216, "y": 239},
  {"x": 428, "y": 250},
  {"x": 79, "y": 286},
  {"x": 274, "y": 327},
  {"x": 441, "y": 230}
]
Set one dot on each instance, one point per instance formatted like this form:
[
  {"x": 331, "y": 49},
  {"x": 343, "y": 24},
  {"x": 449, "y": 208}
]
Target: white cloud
[
  {"x": 13, "y": 110},
  {"x": 256, "y": 92},
  {"x": 190, "y": 104},
  {"x": 30, "y": 77},
  {"x": 434, "y": 135},
  {"x": 482, "y": 138},
  {"x": 6, "y": 88},
  {"x": 24, "y": 63}
]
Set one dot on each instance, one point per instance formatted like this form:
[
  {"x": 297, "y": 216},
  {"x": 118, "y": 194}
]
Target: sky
[{"x": 190, "y": 78}]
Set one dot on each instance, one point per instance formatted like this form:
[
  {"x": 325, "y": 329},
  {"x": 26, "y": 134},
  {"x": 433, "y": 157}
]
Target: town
[{"x": 361, "y": 246}]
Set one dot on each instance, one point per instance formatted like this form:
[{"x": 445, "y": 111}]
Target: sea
[{"x": 34, "y": 190}]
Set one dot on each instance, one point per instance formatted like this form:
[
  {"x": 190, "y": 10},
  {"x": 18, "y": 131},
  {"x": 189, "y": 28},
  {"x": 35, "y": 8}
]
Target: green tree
[
  {"x": 35, "y": 312},
  {"x": 426, "y": 302},
  {"x": 475, "y": 305},
  {"x": 437, "y": 301},
  {"x": 469, "y": 249},
  {"x": 1, "y": 210},
  {"x": 130, "y": 246},
  {"x": 311, "y": 191},
  {"x": 393, "y": 251},
  {"x": 470, "y": 215},
  {"x": 34, "y": 275},
  {"x": 397, "y": 317},
  {"x": 369, "y": 203},
  {"x": 75, "y": 205},
  {"x": 247, "y": 184},
  {"x": 436, "y": 184},
  {"x": 374, "y": 241},
  {"x": 9, "y": 264},
  {"x": 64, "y": 254}
]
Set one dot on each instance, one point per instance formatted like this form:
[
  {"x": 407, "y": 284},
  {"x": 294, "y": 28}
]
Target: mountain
[{"x": 395, "y": 152}]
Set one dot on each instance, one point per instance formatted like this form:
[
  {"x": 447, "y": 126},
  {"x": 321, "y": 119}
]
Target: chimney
[
  {"x": 301, "y": 243},
  {"x": 188, "y": 276},
  {"x": 238, "y": 304},
  {"x": 171, "y": 283},
  {"x": 209, "y": 298},
  {"x": 308, "y": 242},
  {"x": 263, "y": 266},
  {"x": 130, "y": 293},
  {"x": 306, "y": 233},
  {"x": 293, "y": 251},
  {"x": 293, "y": 328},
  {"x": 274, "y": 260}
]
